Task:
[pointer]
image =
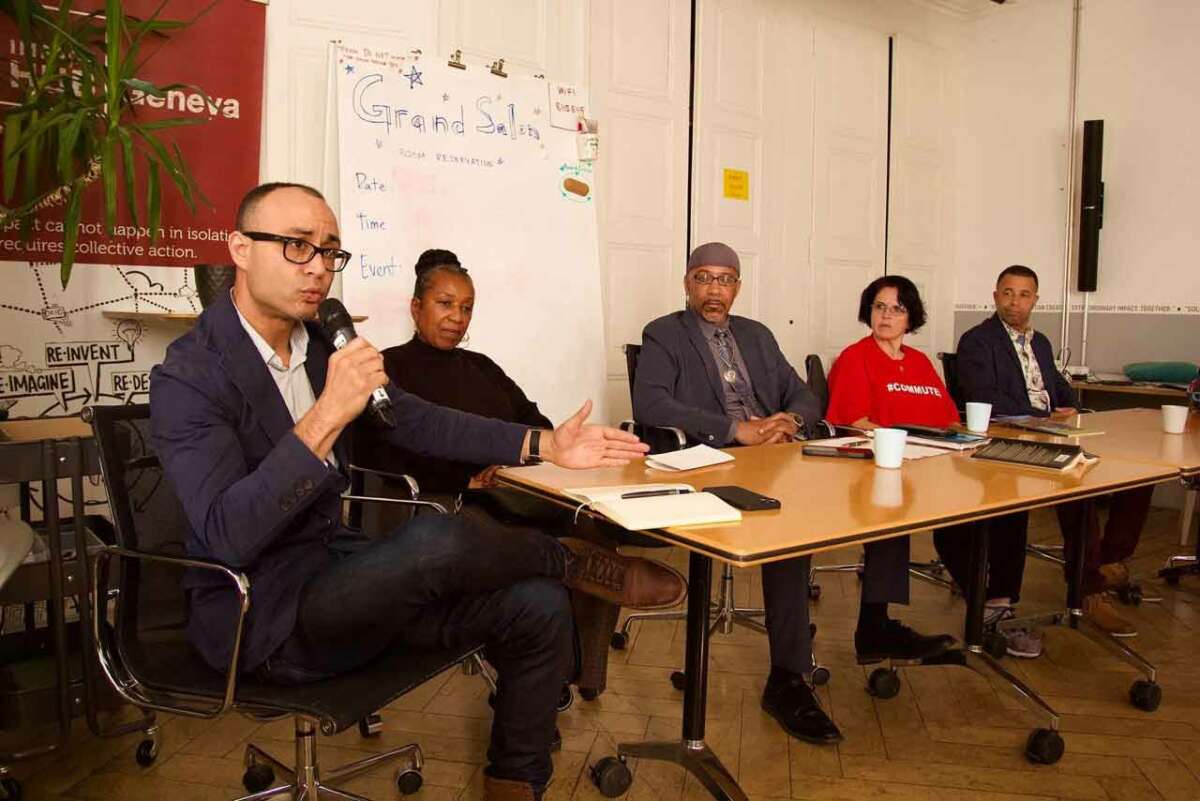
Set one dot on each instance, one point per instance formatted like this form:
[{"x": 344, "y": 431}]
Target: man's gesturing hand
[{"x": 574, "y": 444}]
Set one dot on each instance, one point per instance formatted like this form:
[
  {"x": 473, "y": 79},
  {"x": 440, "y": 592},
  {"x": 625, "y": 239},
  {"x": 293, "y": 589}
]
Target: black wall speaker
[{"x": 1091, "y": 204}]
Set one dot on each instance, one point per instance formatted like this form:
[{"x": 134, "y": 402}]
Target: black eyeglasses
[
  {"x": 725, "y": 279},
  {"x": 299, "y": 251}
]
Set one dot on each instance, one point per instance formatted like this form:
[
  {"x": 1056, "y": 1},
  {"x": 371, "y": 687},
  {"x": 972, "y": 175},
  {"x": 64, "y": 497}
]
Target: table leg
[{"x": 690, "y": 751}]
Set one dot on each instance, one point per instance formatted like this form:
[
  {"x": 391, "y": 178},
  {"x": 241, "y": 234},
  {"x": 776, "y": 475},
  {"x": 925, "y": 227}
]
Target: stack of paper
[{"x": 688, "y": 458}]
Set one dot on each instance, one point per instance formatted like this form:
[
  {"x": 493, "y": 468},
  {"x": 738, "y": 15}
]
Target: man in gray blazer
[{"x": 724, "y": 381}]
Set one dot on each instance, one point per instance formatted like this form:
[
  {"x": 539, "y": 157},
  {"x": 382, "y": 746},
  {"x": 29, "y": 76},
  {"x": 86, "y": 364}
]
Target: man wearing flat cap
[{"x": 723, "y": 380}]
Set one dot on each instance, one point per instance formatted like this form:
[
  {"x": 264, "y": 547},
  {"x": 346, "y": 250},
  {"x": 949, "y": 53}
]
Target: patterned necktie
[{"x": 730, "y": 372}]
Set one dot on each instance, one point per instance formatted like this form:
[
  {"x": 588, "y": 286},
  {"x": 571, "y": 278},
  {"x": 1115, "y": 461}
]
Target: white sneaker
[{"x": 1021, "y": 642}]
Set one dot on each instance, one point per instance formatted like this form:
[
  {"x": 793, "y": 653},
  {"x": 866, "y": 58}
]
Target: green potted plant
[{"x": 75, "y": 123}]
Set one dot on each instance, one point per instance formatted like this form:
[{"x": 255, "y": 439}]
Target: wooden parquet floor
[{"x": 949, "y": 735}]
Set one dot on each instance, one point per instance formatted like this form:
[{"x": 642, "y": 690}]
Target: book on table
[
  {"x": 1042, "y": 425},
  {"x": 947, "y": 438},
  {"x": 639, "y": 507},
  {"x": 1056, "y": 456}
]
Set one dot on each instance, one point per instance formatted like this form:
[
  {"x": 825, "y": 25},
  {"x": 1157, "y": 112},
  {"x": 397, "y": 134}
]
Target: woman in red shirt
[{"x": 879, "y": 381}]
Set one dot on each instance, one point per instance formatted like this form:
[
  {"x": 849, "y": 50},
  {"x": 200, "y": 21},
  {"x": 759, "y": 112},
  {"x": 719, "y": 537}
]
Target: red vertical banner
[{"x": 219, "y": 60}]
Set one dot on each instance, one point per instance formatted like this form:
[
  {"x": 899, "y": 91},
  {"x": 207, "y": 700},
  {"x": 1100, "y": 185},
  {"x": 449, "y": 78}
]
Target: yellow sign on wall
[{"x": 737, "y": 184}]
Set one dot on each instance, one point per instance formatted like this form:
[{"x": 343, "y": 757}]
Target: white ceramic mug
[
  {"x": 889, "y": 447},
  {"x": 1174, "y": 419},
  {"x": 978, "y": 417}
]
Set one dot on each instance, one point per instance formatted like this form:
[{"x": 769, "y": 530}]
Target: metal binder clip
[
  {"x": 498, "y": 68},
  {"x": 456, "y": 61}
]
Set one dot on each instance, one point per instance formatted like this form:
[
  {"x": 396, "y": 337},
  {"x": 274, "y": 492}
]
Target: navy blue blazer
[
  {"x": 256, "y": 498},
  {"x": 989, "y": 371},
  {"x": 677, "y": 382}
]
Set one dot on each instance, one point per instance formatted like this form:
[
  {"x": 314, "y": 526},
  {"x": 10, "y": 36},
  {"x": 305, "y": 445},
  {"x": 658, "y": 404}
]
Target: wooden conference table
[{"x": 829, "y": 503}]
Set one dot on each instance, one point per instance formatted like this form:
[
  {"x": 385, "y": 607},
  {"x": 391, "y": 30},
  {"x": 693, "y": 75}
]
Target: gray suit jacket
[{"x": 677, "y": 382}]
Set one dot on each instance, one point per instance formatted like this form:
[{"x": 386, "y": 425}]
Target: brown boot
[
  {"x": 623, "y": 580},
  {"x": 1115, "y": 574},
  {"x": 508, "y": 790},
  {"x": 1100, "y": 611}
]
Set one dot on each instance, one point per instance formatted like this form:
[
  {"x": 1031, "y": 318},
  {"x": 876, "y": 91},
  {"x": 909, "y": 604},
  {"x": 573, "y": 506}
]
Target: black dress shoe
[
  {"x": 790, "y": 701},
  {"x": 894, "y": 640}
]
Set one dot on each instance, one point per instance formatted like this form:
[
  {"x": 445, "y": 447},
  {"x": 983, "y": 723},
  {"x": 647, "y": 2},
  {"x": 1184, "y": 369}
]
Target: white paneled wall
[
  {"x": 797, "y": 94},
  {"x": 794, "y": 92}
]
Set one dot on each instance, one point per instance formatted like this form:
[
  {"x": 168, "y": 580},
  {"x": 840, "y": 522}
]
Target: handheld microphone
[{"x": 339, "y": 327}]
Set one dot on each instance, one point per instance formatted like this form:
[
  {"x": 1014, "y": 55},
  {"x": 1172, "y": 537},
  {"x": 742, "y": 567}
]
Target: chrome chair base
[{"x": 304, "y": 779}]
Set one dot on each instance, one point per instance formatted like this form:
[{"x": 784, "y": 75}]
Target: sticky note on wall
[{"x": 736, "y": 184}]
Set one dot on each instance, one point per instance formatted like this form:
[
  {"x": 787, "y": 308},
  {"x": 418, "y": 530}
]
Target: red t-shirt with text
[{"x": 866, "y": 382}]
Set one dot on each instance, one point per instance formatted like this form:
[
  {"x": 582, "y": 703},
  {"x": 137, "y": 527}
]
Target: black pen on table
[{"x": 655, "y": 493}]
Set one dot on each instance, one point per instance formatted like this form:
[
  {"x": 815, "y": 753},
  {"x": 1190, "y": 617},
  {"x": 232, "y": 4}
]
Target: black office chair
[{"x": 149, "y": 661}]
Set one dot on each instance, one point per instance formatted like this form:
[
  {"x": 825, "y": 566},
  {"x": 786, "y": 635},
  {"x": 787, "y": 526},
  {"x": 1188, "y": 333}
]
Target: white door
[
  {"x": 639, "y": 83},
  {"x": 849, "y": 177},
  {"x": 917, "y": 216}
]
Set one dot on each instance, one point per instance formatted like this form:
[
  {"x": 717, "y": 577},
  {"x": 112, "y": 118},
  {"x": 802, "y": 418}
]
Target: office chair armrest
[
  {"x": 633, "y": 427},
  {"x": 129, "y": 687},
  {"x": 437, "y": 507},
  {"x": 413, "y": 488},
  {"x": 825, "y": 429}
]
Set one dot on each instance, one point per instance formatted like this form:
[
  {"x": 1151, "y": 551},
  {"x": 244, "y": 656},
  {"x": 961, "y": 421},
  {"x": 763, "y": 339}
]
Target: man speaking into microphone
[{"x": 248, "y": 412}]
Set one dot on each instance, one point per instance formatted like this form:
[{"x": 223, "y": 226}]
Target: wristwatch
[{"x": 535, "y": 447}]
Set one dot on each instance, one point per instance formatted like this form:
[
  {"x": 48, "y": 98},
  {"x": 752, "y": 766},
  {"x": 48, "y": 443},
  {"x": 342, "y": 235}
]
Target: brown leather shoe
[
  {"x": 623, "y": 580},
  {"x": 508, "y": 790},
  {"x": 1115, "y": 574},
  {"x": 1099, "y": 610}
]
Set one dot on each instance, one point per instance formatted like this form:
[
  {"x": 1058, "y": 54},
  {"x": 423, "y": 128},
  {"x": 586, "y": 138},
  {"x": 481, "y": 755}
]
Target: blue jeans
[{"x": 443, "y": 582}]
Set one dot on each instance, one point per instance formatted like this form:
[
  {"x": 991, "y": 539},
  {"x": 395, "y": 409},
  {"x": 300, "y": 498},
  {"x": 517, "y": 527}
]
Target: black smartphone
[{"x": 744, "y": 499}]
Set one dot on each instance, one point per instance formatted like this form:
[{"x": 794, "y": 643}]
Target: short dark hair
[
  {"x": 909, "y": 298},
  {"x": 430, "y": 263},
  {"x": 1019, "y": 270},
  {"x": 252, "y": 198}
]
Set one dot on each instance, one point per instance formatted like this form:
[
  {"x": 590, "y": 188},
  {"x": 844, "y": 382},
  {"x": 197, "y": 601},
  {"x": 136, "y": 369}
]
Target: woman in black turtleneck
[{"x": 433, "y": 367}]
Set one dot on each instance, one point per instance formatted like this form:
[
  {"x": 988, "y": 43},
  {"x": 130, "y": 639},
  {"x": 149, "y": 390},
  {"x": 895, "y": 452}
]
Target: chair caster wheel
[
  {"x": 1131, "y": 595},
  {"x": 1145, "y": 695},
  {"x": 678, "y": 679},
  {"x": 814, "y": 592},
  {"x": 565, "y": 698},
  {"x": 820, "y": 676},
  {"x": 409, "y": 781},
  {"x": 10, "y": 789},
  {"x": 371, "y": 725},
  {"x": 995, "y": 645},
  {"x": 611, "y": 776},
  {"x": 588, "y": 693},
  {"x": 619, "y": 640},
  {"x": 147, "y": 752},
  {"x": 258, "y": 778},
  {"x": 884, "y": 683},
  {"x": 1044, "y": 747}
]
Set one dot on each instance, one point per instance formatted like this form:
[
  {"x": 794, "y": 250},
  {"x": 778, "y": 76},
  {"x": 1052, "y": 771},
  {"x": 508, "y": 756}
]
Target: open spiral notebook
[{"x": 682, "y": 507}]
